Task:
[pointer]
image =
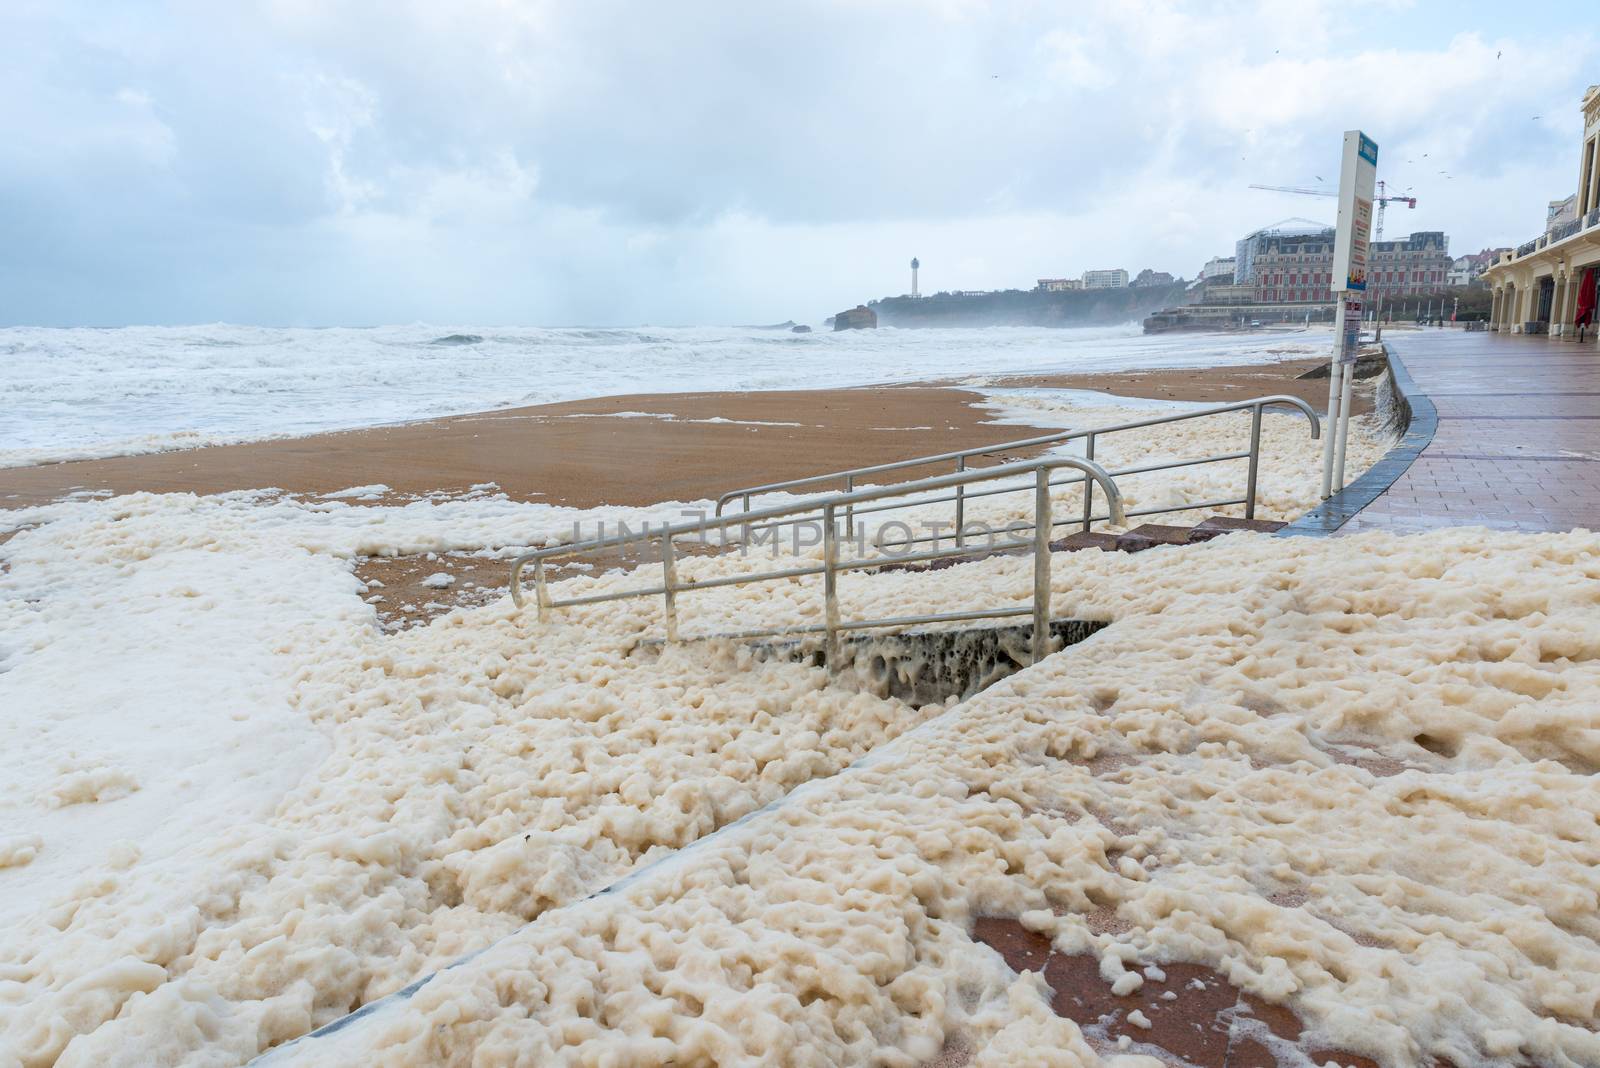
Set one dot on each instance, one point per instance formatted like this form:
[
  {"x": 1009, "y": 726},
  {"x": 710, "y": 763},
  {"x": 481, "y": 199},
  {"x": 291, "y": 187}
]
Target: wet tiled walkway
[{"x": 1517, "y": 446}]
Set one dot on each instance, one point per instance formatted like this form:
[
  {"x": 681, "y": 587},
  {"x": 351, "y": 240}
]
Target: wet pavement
[{"x": 1517, "y": 443}]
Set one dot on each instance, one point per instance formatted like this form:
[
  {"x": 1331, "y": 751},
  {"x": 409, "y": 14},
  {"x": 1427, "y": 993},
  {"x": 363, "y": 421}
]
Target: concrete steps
[
  {"x": 1140, "y": 538},
  {"x": 925, "y": 665},
  {"x": 934, "y": 664}
]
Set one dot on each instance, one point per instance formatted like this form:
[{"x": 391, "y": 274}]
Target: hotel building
[
  {"x": 1112, "y": 279},
  {"x": 1292, "y": 263}
]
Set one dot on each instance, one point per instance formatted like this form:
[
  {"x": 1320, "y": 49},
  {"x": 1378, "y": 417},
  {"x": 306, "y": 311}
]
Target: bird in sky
[{"x": 1497, "y": 55}]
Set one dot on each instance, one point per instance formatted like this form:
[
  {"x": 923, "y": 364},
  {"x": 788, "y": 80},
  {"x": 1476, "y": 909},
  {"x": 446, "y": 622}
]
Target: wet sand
[
  {"x": 685, "y": 446},
  {"x": 580, "y": 453},
  {"x": 1212, "y": 385}
]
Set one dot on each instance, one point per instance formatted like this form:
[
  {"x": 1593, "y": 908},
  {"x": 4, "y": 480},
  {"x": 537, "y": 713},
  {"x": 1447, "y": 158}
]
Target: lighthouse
[{"x": 915, "y": 263}]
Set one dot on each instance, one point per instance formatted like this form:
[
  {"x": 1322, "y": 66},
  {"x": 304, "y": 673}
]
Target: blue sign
[{"x": 1368, "y": 150}]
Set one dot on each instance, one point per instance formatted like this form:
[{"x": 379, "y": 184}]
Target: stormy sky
[{"x": 314, "y": 162}]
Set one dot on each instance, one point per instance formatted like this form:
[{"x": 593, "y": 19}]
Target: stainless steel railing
[
  {"x": 830, "y": 508},
  {"x": 1090, "y": 436}
]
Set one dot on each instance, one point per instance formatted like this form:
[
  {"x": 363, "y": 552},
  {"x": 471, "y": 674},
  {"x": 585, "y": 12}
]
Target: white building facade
[
  {"x": 1545, "y": 284},
  {"x": 1117, "y": 278}
]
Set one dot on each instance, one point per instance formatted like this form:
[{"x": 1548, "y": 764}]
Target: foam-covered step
[
  {"x": 1085, "y": 539},
  {"x": 1149, "y": 535},
  {"x": 1217, "y": 525}
]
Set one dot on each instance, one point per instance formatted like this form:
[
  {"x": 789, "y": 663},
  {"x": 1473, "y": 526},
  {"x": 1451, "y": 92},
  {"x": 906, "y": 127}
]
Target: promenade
[{"x": 1517, "y": 442}]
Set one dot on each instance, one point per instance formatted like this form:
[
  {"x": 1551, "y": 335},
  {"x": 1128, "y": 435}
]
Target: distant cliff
[{"x": 1029, "y": 307}]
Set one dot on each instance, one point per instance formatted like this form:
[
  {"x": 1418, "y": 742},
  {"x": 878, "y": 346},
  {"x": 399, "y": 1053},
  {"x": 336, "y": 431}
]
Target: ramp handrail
[
  {"x": 831, "y": 506},
  {"x": 1090, "y": 434}
]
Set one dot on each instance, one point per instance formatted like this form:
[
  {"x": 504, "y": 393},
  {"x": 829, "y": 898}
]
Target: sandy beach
[
  {"x": 628, "y": 450},
  {"x": 635, "y": 449}
]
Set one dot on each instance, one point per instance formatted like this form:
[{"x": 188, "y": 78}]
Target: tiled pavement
[{"x": 1517, "y": 445}]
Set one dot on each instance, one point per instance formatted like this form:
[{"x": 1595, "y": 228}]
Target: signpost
[{"x": 1358, "y": 173}]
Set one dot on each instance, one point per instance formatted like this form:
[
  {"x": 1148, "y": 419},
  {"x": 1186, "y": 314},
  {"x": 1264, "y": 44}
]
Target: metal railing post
[
  {"x": 830, "y": 586},
  {"x": 1255, "y": 463},
  {"x": 831, "y": 508},
  {"x": 850, "y": 509},
  {"x": 541, "y": 592},
  {"x": 669, "y": 577},
  {"x": 1088, "y": 485},
  {"x": 1041, "y": 563},
  {"x": 961, "y": 506}
]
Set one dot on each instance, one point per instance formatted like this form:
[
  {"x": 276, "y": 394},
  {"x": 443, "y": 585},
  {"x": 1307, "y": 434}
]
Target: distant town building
[
  {"x": 1548, "y": 283},
  {"x": 1147, "y": 277},
  {"x": 1419, "y": 264},
  {"x": 1116, "y": 278},
  {"x": 1465, "y": 270},
  {"x": 1057, "y": 285},
  {"x": 1561, "y": 211},
  {"x": 1216, "y": 267}
]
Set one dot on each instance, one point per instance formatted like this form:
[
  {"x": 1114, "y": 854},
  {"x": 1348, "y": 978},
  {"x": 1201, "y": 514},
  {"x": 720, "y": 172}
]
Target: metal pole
[
  {"x": 1255, "y": 463},
  {"x": 1335, "y": 372},
  {"x": 850, "y": 509},
  {"x": 1041, "y": 564},
  {"x": 961, "y": 506},
  {"x": 830, "y": 586},
  {"x": 1088, "y": 485},
  {"x": 1344, "y": 425},
  {"x": 744, "y": 534},
  {"x": 669, "y": 576}
]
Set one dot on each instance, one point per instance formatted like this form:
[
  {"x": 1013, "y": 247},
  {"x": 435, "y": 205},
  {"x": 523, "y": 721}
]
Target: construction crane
[{"x": 1383, "y": 198}]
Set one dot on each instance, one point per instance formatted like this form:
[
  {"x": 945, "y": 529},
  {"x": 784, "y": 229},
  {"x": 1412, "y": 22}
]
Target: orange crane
[{"x": 1383, "y": 198}]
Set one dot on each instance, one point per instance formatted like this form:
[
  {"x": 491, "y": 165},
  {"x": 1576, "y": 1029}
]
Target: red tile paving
[
  {"x": 1518, "y": 441},
  {"x": 1192, "y": 1014}
]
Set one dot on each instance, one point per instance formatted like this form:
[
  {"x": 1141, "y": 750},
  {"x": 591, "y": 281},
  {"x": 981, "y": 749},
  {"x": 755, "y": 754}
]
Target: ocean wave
[{"x": 80, "y": 393}]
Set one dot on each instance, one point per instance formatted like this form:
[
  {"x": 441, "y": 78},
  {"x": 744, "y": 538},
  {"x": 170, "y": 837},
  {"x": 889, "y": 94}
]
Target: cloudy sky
[{"x": 309, "y": 162}]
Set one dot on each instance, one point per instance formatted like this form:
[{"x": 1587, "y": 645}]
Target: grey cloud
[{"x": 354, "y": 162}]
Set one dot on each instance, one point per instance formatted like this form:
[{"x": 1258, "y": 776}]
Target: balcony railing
[{"x": 1558, "y": 233}]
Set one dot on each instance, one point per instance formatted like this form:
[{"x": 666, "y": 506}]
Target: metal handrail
[
  {"x": 830, "y": 507},
  {"x": 961, "y": 456}
]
